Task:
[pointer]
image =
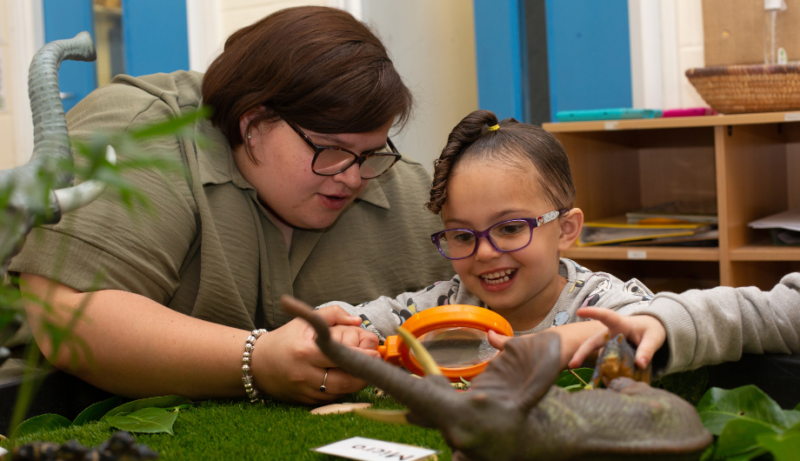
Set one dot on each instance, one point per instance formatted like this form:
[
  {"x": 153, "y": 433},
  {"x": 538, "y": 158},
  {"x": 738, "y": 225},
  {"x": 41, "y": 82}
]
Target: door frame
[{"x": 26, "y": 36}]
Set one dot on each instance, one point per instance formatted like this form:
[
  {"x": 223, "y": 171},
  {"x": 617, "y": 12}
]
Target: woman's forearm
[{"x": 136, "y": 346}]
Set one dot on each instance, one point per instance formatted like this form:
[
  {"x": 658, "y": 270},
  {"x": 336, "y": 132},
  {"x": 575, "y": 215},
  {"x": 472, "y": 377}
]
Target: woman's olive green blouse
[{"x": 208, "y": 248}]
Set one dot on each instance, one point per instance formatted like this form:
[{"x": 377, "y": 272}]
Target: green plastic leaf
[
  {"x": 567, "y": 379},
  {"x": 171, "y": 126},
  {"x": 46, "y": 422},
  {"x": 739, "y": 438},
  {"x": 688, "y": 385},
  {"x": 783, "y": 447},
  {"x": 792, "y": 417},
  {"x": 719, "y": 406},
  {"x": 708, "y": 455},
  {"x": 180, "y": 407},
  {"x": 96, "y": 411},
  {"x": 152, "y": 420},
  {"x": 747, "y": 456},
  {"x": 574, "y": 388},
  {"x": 167, "y": 401}
]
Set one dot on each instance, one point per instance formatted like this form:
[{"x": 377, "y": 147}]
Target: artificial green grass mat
[{"x": 237, "y": 429}]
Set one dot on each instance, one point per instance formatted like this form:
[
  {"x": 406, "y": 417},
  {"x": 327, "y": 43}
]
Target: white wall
[
  {"x": 432, "y": 44},
  {"x": 690, "y": 47},
  {"x": 6, "y": 105},
  {"x": 666, "y": 40},
  {"x": 21, "y": 34}
]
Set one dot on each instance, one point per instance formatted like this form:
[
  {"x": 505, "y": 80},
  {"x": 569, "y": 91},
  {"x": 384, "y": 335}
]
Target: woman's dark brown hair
[
  {"x": 315, "y": 66},
  {"x": 514, "y": 144}
]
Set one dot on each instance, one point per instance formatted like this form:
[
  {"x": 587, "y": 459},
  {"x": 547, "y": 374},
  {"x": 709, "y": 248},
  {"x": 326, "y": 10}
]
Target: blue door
[{"x": 134, "y": 37}]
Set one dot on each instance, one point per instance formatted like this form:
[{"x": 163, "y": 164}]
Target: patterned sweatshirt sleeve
[
  {"x": 613, "y": 293},
  {"x": 705, "y": 327},
  {"x": 383, "y": 315}
]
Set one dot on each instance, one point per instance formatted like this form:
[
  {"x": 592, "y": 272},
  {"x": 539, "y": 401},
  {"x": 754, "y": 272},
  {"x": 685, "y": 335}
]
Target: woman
[{"x": 291, "y": 192}]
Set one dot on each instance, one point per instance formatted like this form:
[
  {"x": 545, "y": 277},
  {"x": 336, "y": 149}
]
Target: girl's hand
[
  {"x": 645, "y": 331},
  {"x": 289, "y": 366},
  {"x": 572, "y": 335}
]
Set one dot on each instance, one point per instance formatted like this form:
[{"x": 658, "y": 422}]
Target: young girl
[{"x": 504, "y": 191}]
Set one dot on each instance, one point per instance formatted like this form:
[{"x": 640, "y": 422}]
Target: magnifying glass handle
[{"x": 390, "y": 351}]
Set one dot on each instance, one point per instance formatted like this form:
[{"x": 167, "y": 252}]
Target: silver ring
[{"x": 324, "y": 380}]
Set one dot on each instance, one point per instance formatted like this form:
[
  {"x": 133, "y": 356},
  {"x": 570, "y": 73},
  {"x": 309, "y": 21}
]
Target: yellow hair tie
[{"x": 494, "y": 127}]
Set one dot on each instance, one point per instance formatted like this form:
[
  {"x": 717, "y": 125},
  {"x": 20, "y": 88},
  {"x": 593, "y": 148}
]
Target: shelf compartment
[
  {"x": 617, "y": 172},
  {"x": 658, "y": 276},
  {"x": 762, "y": 274},
  {"x": 766, "y": 252},
  {"x": 643, "y": 253}
]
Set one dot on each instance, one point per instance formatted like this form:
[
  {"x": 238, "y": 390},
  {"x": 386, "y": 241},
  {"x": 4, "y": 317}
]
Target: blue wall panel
[
  {"x": 64, "y": 19},
  {"x": 588, "y": 48},
  {"x": 156, "y": 36},
  {"x": 497, "y": 42}
]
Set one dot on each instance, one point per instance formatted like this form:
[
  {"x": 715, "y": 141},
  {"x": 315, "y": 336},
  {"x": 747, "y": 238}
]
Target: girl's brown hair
[
  {"x": 508, "y": 144},
  {"x": 315, "y": 66}
]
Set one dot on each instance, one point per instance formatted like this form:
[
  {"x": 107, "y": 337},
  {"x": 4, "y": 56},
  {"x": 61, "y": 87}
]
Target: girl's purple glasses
[{"x": 505, "y": 236}]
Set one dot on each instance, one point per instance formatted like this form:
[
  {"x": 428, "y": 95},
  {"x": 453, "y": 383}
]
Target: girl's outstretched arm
[
  {"x": 643, "y": 330},
  {"x": 706, "y": 327},
  {"x": 572, "y": 335}
]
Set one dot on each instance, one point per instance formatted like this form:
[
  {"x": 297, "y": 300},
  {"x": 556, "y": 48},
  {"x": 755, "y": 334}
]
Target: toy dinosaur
[
  {"x": 514, "y": 413},
  {"x": 617, "y": 360},
  {"x": 26, "y": 203}
]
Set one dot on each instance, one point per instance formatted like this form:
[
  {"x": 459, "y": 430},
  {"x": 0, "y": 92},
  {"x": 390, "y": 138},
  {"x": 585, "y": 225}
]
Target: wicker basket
[{"x": 738, "y": 89}]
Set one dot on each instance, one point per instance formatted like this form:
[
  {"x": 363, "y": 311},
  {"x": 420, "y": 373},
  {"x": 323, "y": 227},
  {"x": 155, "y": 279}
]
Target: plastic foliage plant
[
  {"x": 748, "y": 424},
  {"x": 41, "y": 191}
]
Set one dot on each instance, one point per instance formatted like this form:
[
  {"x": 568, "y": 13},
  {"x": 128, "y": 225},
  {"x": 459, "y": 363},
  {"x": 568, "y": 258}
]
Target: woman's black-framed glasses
[
  {"x": 505, "y": 236},
  {"x": 332, "y": 160}
]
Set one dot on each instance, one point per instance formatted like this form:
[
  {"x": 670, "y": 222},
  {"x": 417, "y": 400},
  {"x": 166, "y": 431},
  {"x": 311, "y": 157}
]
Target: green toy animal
[{"x": 513, "y": 411}]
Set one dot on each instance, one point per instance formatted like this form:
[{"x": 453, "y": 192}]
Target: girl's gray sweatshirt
[{"x": 705, "y": 327}]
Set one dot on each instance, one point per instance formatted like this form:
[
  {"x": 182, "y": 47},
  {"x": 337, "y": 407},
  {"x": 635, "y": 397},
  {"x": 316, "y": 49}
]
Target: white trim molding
[
  {"x": 671, "y": 75},
  {"x": 205, "y": 33},
  {"x": 354, "y": 7},
  {"x": 26, "y": 36},
  {"x": 645, "y": 37}
]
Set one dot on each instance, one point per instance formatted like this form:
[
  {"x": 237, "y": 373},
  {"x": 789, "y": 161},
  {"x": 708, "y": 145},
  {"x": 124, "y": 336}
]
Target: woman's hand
[
  {"x": 288, "y": 365},
  {"x": 645, "y": 331}
]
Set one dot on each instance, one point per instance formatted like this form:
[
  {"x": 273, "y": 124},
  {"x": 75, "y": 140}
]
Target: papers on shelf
[
  {"x": 789, "y": 220},
  {"x": 618, "y": 230},
  {"x": 680, "y": 210}
]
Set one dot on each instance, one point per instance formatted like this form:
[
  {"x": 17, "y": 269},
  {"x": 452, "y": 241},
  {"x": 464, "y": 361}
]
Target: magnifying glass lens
[{"x": 458, "y": 347}]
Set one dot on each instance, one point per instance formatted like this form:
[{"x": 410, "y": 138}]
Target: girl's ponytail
[{"x": 468, "y": 130}]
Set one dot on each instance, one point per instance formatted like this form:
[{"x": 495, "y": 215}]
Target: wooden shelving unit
[{"x": 749, "y": 164}]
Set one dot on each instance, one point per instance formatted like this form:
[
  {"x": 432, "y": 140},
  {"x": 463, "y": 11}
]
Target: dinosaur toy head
[{"x": 513, "y": 412}]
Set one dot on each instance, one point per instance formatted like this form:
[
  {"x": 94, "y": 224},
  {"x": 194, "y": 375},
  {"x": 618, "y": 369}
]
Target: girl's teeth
[
  {"x": 495, "y": 282},
  {"x": 498, "y": 277}
]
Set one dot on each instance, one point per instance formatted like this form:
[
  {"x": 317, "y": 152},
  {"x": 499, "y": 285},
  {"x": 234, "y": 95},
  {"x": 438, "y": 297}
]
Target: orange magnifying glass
[{"x": 455, "y": 335}]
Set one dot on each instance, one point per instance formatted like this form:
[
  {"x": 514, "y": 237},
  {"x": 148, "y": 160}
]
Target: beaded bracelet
[{"x": 247, "y": 377}]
